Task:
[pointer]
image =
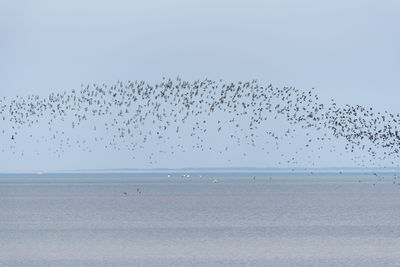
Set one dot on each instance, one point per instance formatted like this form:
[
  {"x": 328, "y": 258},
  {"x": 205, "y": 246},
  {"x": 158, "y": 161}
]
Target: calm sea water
[{"x": 274, "y": 220}]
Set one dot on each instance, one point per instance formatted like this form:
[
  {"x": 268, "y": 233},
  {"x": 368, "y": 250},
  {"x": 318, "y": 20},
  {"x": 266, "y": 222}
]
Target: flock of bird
[{"x": 132, "y": 114}]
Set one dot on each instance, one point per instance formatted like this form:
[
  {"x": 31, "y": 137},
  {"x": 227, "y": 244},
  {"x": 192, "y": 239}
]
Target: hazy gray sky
[{"x": 347, "y": 50}]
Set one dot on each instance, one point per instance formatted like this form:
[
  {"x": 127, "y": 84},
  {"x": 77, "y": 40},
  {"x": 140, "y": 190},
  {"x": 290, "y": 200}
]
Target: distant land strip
[{"x": 211, "y": 170}]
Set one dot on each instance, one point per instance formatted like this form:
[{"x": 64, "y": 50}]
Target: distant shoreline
[{"x": 211, "y": 170}]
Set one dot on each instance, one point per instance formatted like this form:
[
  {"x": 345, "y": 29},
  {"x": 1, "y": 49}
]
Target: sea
[{"x": 200, "y": 219}]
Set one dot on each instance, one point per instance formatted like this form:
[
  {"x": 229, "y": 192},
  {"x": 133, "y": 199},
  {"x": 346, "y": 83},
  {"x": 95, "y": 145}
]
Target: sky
[{"x": 346, "y": 50}]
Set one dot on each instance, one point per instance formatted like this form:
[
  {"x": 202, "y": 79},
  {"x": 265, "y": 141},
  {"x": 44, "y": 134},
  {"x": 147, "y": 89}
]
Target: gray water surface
[{"x": 274, "y": 220}]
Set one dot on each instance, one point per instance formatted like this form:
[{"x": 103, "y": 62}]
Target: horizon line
[{"x": 203, "y": 169}]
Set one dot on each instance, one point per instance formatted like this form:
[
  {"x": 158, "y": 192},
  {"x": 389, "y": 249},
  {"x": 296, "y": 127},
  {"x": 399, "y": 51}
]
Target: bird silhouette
[{"x": 131, "y": 115}]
